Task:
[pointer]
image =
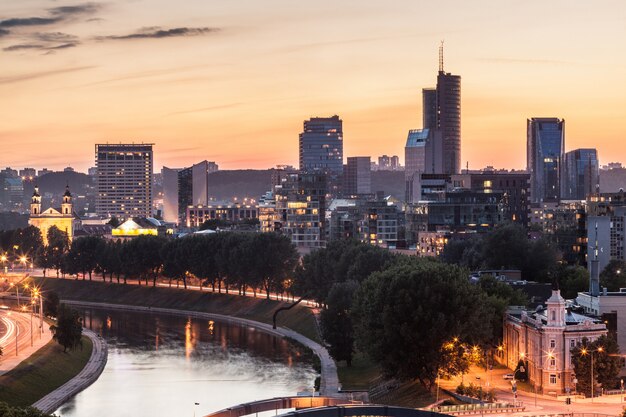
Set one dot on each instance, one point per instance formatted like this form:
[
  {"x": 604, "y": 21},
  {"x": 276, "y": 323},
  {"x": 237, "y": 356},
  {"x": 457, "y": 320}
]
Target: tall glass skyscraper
[
  {"x": 449, "y": 120},
  {"x": 544, "y": 153},
  {"x": 321, "y": 145},
  {"x": 579, "y": 175}
]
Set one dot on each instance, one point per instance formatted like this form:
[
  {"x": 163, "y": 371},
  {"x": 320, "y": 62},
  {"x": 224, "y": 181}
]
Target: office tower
[
  {"x": 544, "y": 150},
  {"x": 384, "y": 162},
  {"x": 449, "y": 119},
  {"x": 423, "y": 153},
  {"x": 124, "y": 180},
  {"x": 321, "y": 145},
  {"x": 193, "y": 186},
  {"x": 429, "y": 108},
  {"x": 170, "y": 194},
  {"x": 395, "y": 163},
  {"x": 579, "y": 174},
  {"x": 357, "y": 176}
]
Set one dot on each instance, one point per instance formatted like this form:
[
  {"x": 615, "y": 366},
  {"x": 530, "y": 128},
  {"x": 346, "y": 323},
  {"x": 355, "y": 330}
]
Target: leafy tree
[
  {"x": 336, "y": 321},
  {"x": 606, "y": 363},
  {"x": 175, "y": 261},
  {"x": 572, "y": 280},
  {"x": 274, "y": 259},
  {"x": 405, "y": 314},
  {"x": 114, "y": 222},
  {"x": 68, "y": 329},
  {"x": 613, "y": 276},
  {"x": 27, "y": 241},
  {"x": 7, "y": 410},
  {"x": 51, "y": 304},
  {"x": 86, "y": 251},
  {"x": 58, "y": 245}
]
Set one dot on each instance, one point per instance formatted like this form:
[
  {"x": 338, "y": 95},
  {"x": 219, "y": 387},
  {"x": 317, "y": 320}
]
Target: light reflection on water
[{"x": 161, "y": 365}]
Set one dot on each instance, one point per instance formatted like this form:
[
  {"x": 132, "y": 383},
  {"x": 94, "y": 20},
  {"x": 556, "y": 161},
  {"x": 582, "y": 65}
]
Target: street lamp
[
  {"x": 23, "y": 260},
  {"x": 17, "y": 292}
]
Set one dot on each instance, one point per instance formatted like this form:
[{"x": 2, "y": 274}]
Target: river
[{"x": 162, "y": 366}]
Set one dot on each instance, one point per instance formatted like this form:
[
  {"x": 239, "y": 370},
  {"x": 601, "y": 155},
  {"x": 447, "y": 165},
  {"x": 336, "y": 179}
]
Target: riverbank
[
  {"x": 299, "y": 318},
  {"x": 87, "y": 376},
  {"x": 43, "y": 372},
  {"x": 329, "y": 385}
]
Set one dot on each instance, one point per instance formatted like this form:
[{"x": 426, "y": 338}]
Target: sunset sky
[{"x": 231, "y": 81}]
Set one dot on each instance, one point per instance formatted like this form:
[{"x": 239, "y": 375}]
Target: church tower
[
  {"x": 555, "y": 306},
  {"x": 66, "y": 205},
  {"x": 35, "y": 203}
]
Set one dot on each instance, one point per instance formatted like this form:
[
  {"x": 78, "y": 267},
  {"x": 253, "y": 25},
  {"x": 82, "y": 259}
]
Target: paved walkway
[
  {"x": 329, "y": 385},
  {"x": 9, "y": 359},
  {"x": 86, "y": 377}
]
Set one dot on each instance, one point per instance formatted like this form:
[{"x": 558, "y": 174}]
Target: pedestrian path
[{"x": 86, "y": 377}]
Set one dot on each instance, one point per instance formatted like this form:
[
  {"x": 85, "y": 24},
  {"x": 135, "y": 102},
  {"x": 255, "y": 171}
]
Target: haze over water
[{"x": 161, "y": 366}]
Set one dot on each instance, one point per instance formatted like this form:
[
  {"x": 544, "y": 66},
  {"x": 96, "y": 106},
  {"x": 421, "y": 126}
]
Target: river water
[{"x": 162, "y": 366}]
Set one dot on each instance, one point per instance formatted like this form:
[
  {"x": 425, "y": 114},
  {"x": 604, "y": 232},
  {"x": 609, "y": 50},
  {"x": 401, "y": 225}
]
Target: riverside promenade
[
  {"x": 329, "y": 384},
  {"x": 86, "y": 377}
]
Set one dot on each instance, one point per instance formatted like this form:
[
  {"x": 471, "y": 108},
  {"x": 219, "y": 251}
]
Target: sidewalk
[{"x": 10, "y": 361}]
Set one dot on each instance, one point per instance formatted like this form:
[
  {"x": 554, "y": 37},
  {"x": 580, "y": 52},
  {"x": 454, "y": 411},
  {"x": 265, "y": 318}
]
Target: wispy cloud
[
  {"x": 4, "y": 32},
  {"x": 524, "y": 61},
  {"x": 55, "y": 15},
  {"x": 34, "y": 75},
  {"x": 205, "y": 109},
  {"x": 159, "y": 33},
  {"x": 46, "y": 41}
]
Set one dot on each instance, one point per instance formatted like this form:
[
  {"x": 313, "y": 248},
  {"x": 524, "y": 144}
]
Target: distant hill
[
  {"x": 55, "y": 182},
  {"x": 391, "y": 182},
  {"x": 224, "y": 185},
  {"x": 10, "y": 220}
]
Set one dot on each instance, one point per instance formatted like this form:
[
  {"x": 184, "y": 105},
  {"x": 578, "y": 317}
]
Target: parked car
[{"x": 508, "y": 376}]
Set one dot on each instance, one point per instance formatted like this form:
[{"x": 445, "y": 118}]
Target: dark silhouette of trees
[
  {"x": 606, "y": 364},
  {"x": 68, "y": 329},
  {"x": 336, "y": 321}
]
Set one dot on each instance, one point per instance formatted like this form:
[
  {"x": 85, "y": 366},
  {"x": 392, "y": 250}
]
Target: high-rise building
[
  {"x": 429, "y": 108},
  {"x": 395, "y": 163},
  {"x": 384, "y": 162},
  {"x": 544, "y": 150},
  {"x": 579, "y": 174},
  {"x": 170, "y": 194},
  {"x": 321, "y": 145},
  {"x": 422, "y": 155},
  {"x": 449, "y": 119},
  {"x": 124, "y": 180},
  {"x": 357, "y": 176},
  {"x": 185, "y": 187}
]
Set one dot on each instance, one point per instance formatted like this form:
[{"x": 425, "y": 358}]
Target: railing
[{"x": 488, "y": 408}]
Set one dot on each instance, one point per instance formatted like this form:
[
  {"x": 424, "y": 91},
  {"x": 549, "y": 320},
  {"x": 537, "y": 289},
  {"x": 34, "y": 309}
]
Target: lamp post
[{"x": 17, "y": 292}]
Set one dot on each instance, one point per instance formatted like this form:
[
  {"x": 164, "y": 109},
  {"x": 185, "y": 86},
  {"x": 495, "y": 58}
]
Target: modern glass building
[
  {"x": 449, "y": 120},
  {"x": 544, "y": 152},
  {"x": 579, "y": 174},
  {"x": 321, "y": 145},
  {"x": 124, "y": 180},
  {"x": 357, "y": 176}
]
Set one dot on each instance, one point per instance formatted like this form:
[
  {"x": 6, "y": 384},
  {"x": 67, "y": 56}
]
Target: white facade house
[{"x": 543, "y": 339}]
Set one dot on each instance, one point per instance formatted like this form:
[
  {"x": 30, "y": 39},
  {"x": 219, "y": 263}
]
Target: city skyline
[{"x": 194, "y": 88}]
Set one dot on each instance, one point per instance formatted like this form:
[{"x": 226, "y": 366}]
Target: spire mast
[{"x": 441, "y": 57}]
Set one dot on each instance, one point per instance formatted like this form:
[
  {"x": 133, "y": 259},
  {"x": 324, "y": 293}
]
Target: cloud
[
  {"x": 158, "y": 33},
  {"x": 4, "y": 32},
  {"x": 34, "y": 75},
  {"x": 20, "y": 47},
  {"x": 55, "y": 15},
  {"x": 40, "y": 47},
  {"x": 55, "y": 37}
]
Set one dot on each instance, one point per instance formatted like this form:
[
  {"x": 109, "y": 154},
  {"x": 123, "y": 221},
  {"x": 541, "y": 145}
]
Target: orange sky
[{"x": 232, "y": 81}]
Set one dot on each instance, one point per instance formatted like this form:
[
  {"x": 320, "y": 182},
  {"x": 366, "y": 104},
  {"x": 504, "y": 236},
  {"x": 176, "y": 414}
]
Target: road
[
  {"x": 544, "y": 404},
  {"x": 19, "y": 323}
]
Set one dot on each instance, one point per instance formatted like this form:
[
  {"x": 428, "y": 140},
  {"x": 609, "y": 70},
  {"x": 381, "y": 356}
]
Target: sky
[{"x": 231, "y": 81}]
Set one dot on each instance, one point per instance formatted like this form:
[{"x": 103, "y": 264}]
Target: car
[{"x": 508, "y": 376}]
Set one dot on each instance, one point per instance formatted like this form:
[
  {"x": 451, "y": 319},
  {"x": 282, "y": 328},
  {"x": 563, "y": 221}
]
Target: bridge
[{"x": 320, "y": 407}]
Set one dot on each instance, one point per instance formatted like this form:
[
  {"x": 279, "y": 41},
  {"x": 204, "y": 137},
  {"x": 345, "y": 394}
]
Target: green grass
[
  {"x": 43, "y": 372},
  {"x": 409, "y": 394},
  {"x": 360, "y": 375},
  {"x": 299, "y": 318}
]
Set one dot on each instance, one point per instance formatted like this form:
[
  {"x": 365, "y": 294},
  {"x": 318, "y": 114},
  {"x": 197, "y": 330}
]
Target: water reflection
[{"x": 162, "y": 366}]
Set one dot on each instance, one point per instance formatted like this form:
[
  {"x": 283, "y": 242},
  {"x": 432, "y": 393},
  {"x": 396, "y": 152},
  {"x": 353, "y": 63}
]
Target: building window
[
  {"x": 552, "y": 361},
  {"x": 552, "y": 379},
  {"x": 552, "y": 343},
  {"x": 572, "y": 343}
]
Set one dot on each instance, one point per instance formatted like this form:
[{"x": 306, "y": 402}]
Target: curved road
[{"x": 20, "y": 323}]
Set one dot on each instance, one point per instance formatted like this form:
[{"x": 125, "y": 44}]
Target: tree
[
  {"x": 51, "y": 304},
  {"x": 86, "y": 252},
  {"x": 606, "y": 363},
  {"x": 114, "y": 222},
  {"x": 7, "y": 410},
  {"x": 613, "y": 276},
  {"x": 58, "y": 245},
  {"x": 405, "y": 314},
  {"x": 572, "y": 280},
  {"x": 68, "y": 329},
  {"x": 336, "y": 321}
]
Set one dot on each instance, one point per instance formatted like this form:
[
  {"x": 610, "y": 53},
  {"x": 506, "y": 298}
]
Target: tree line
[{"x": 257, "y": 261}]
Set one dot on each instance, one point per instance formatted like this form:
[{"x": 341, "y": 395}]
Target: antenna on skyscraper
[{"x": 441, "y": 57}]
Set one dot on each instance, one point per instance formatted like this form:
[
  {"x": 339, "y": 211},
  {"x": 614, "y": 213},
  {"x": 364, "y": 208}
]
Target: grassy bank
[
  {"x": 360, "y": 376},
  {"x": 43, "y": 372},
  {"x": 299, "y": 318}
]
